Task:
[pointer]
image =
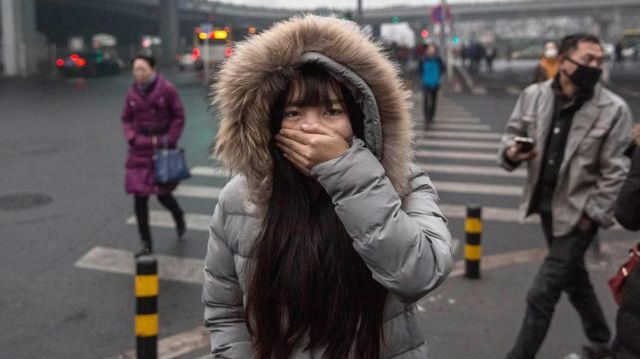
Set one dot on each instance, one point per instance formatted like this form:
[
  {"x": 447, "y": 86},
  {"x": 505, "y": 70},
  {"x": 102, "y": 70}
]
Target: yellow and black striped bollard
[
  {"x": 146, "y": 307},
  {"x": 473, "y": 248}
]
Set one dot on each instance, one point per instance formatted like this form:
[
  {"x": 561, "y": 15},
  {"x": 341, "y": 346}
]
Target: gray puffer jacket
[{"x": 387, "y": 205}]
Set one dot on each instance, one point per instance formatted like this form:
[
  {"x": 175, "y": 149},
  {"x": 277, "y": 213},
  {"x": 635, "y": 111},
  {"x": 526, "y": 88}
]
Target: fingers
[
  {"x": 318, "y": 128},
  {"x": 296, "y": 162},
  {"x": 296, "y": 146},
  {"x": 295, "y": 135},
  {"x": 293, "y": 154}
]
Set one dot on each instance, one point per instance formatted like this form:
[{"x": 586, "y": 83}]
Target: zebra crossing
[
  {"x": 458, "y": 151},
  {"x": 478, "y": 156}
]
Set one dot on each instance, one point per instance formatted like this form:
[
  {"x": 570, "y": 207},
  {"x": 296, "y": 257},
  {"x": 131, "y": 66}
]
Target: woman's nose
[{"x": 311, "y": 116}]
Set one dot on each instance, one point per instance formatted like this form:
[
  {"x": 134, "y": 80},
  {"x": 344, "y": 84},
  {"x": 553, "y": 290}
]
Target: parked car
[{"x": 87, "y": 64}]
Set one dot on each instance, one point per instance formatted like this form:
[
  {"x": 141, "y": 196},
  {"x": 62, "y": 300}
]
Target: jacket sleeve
[
  {"x": 515, "y": 127},
  {"x": 222, "y": 296},
  {"x": 627, "y": 206},
  {"x": 177, "y": 118},
  {"x": 127, "y": 122},
  {"x": 613, "y": 169},
  {"x": 406, "y": 244}
]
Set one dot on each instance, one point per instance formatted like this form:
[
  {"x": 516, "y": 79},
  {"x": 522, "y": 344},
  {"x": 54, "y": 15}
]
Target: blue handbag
[{"x": 169, "y": 164}]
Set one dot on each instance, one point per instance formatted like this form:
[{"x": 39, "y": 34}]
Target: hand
[
  {"x": 585, "y": 224},
  {"x": 514, "y": 154},
  {"x": 313, "y": 145}
]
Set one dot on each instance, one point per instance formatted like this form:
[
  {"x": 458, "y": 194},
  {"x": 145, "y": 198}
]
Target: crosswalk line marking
[
  {"x": 457, "y": 126},
  {"x": 456, "y": 119},
  {"x": 121, "y": 261},
  {"x": 478, "y": 188},
  {"x": 210, "y": 171},
  {"x": 459, "y": 134},
  {"x": 162, "y": 219},
  {"x": 212, "y": 192},
  {"x": 479, "y": 156},
  {"x": 431, "y": 142},
  {"x": 513, "y": 90},
  {"x": 201, "y": 222},
  {"x": 198, "y": 191},
  {"x": 503, "y": 260},
  {"x": 190, "y": 270},
  {"x": 490, "y": 171}
]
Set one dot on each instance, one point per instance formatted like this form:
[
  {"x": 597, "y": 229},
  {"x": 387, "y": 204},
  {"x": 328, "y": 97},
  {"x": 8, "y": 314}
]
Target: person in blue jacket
[{"x": 431, "y": 68}]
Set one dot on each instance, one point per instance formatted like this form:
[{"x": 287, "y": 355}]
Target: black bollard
[
  {"x": 146, "y": 307},
  {"x": 473, "y": 248}
]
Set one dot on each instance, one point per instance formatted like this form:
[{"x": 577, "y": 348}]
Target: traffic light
[
  {"x": 455, "y": 40},
  {"x": 424, "y": 33},
  {"x": 395, "y": 19},
  {"x": 251, "y": 30}
]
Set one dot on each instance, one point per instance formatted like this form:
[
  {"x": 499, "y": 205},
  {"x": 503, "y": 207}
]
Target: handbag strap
[{"x": 634, "y": 251}]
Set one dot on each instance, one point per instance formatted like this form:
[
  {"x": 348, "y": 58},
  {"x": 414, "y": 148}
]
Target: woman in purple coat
[{"x": 152, "y": 117}]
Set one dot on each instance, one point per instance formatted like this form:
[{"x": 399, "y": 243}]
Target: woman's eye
[
  {"x": 291, "y": 113},
  {"x": 335, "y": 112}
]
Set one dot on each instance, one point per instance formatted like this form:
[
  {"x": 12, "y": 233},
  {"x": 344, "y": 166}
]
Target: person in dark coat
[
  {"x": 626, "y": 344},
  {"x": 153, "y": 117}
]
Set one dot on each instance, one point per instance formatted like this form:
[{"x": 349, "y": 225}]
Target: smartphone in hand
[{"x": 525, "y": 144}]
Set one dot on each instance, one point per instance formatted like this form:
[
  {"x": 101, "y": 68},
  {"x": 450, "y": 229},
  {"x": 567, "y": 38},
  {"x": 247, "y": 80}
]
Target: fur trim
[{"x": 246, "y": 86}]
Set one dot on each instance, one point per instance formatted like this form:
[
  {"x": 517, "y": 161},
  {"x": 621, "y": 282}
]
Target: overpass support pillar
[
  {"x": 19, "y": 41},
  {"x": 169, "y": 31},
  {"x": 376, "y": 31}
]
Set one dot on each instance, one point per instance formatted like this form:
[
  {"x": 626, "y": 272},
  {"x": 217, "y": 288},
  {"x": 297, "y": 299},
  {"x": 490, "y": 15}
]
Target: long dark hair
[{"x": 306, "y": 281}]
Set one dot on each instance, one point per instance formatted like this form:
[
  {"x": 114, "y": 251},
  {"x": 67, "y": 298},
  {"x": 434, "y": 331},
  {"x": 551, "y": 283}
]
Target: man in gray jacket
[{"x": 576, "y": 166}]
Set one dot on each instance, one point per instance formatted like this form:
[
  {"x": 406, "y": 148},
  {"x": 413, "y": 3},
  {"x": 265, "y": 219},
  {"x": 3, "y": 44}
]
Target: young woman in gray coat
[{"x": 328, "y": 235}]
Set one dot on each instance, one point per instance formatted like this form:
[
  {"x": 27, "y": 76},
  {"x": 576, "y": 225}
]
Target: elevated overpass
[{"x": 128, "y": 19}]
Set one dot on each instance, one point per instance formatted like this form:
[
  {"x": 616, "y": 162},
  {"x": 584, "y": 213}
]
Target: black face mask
[{"x": 585, "y": 77}]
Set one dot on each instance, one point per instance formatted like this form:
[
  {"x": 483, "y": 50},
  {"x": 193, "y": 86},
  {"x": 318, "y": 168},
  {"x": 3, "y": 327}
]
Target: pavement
[{"x": 67, "y": 258}]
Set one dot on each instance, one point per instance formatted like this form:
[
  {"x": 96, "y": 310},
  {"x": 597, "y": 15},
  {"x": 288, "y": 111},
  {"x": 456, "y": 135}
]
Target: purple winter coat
[{"x": 158, "y": 112}]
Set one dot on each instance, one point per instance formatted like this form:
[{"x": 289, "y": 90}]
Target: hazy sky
[{"x": 310, "y": 4}]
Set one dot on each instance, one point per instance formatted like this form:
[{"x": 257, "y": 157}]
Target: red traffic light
[{"x": 424, "y": 33}]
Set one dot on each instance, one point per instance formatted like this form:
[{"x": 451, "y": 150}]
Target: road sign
[{"x": 440, "y": 14}]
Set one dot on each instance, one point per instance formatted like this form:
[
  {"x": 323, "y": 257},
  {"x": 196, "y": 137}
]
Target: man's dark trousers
[
  {"x": 563, "y": 269},
  {"x": 429, "y": 98}
]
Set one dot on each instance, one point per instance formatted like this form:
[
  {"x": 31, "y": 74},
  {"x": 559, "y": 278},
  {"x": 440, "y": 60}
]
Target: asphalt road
[{"x": 65, "y": 293}]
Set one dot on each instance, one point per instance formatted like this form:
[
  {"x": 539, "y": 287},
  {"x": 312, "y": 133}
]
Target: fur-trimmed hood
[{"x": 249, "y": 81}]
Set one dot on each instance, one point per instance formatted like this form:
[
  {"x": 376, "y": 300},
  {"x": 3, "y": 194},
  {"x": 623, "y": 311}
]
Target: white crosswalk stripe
[
  {"x": 431, "y": 142},
  {"x": 122, "y": 261},
  {"x": 459, "y": 134},
  {"x": 491, "y": 171},
  {"x": 211, "y": 192},
  {"x": 458, "y": 155},
  {"x": 456, "y": 119},
  {"x": 430, "y": 168},
  {"x": 201, "y": 222},
  {"x": 186, "y": 190},
  {"x": 458, "y": 126}
]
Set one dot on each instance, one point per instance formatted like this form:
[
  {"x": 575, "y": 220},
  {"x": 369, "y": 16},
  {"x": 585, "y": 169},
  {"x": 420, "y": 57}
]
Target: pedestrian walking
[
  {"x": 431, "y": 69},
  {"x": 152, "y": 118},
  {"x": 549, "y": 64},
  {"x": 489, "y": 57},
  {"x": 323, "y": 242},
  {"x": 626, "y": 344},
  {"x": 575, "y": 169}
]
